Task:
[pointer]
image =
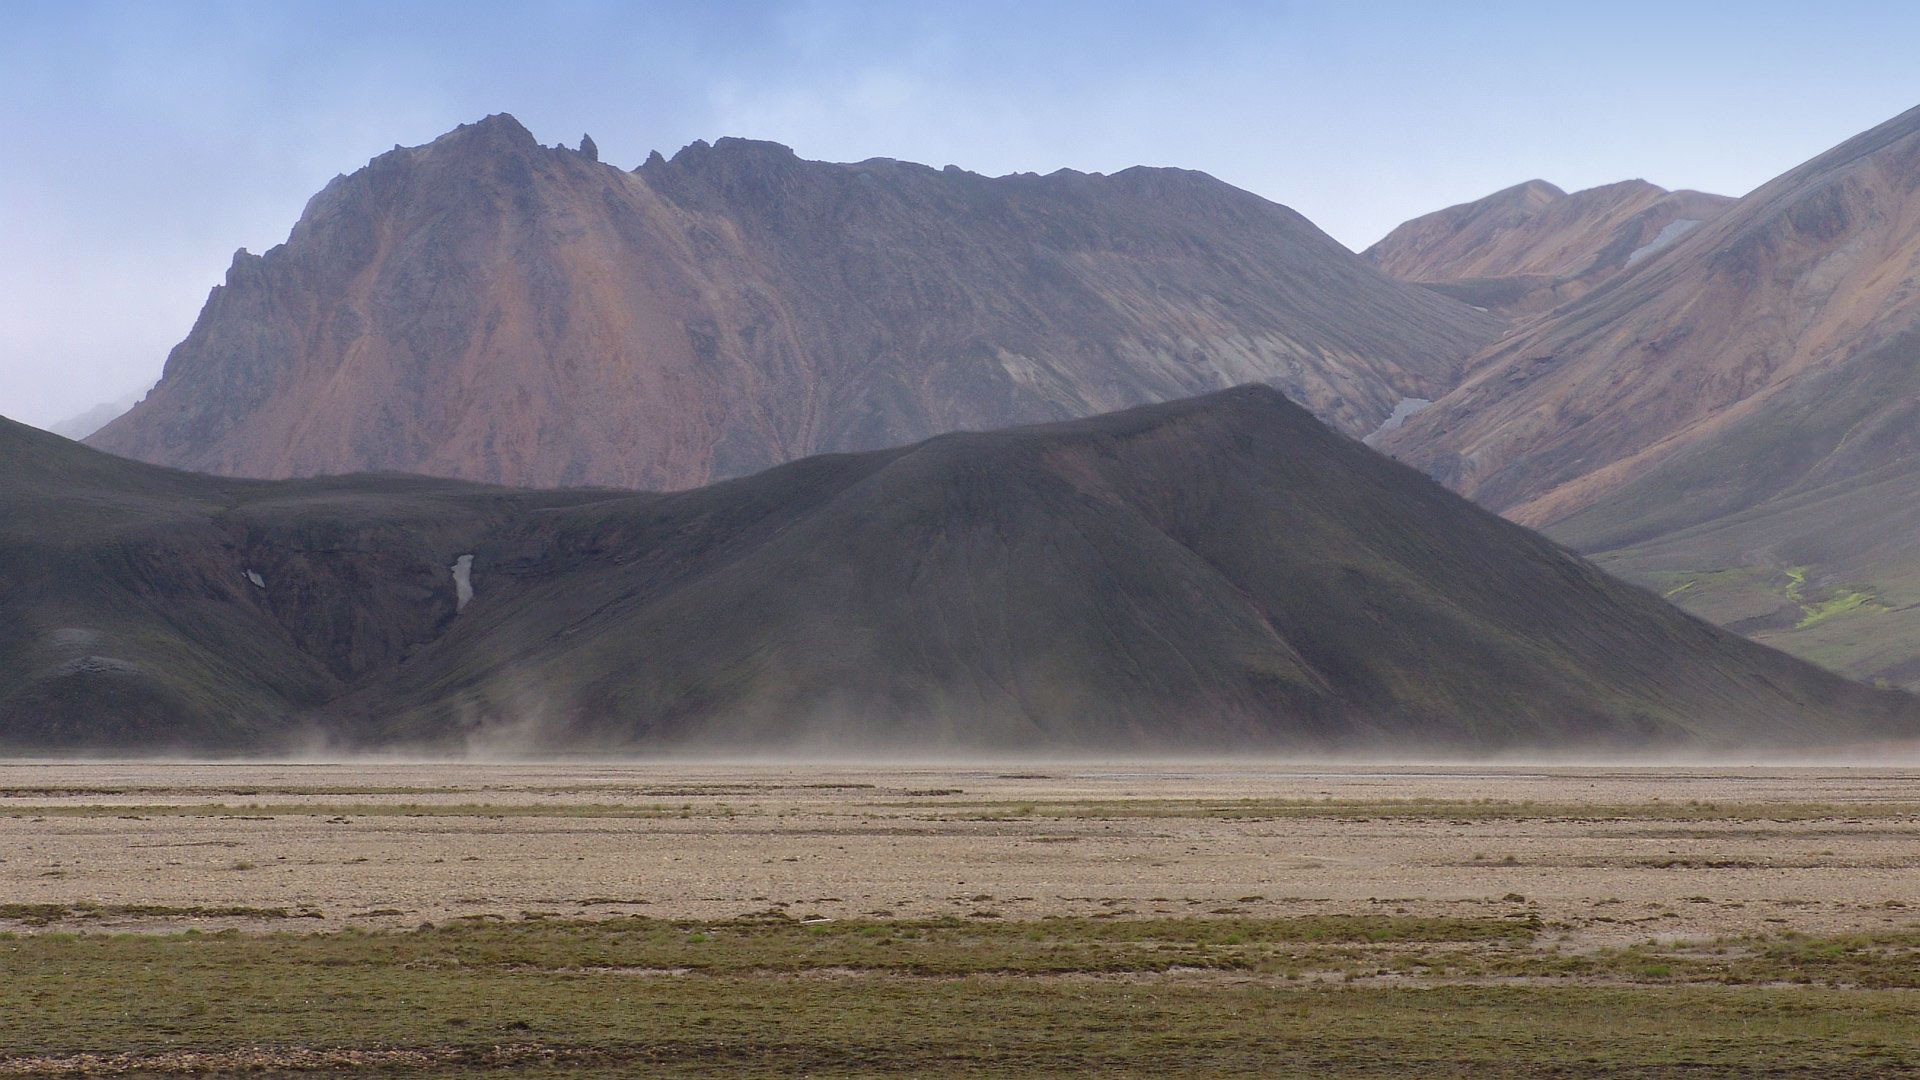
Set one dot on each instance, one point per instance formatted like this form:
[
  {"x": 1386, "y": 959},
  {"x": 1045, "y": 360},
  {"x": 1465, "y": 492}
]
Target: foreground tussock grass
[
  {"x": 372, "y": 809},
  {"x": 770, "y": 995}
]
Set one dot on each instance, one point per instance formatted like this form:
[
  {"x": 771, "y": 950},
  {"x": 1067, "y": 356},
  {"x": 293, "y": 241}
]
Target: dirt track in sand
[{"x": 399, "y": 844}]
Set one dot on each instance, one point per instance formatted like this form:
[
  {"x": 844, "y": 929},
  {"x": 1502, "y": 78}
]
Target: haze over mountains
[
  {"x": 1734, "y": 418},
  {"x": 1218, "y": 573},
  {"x": 488, "y": 308}
]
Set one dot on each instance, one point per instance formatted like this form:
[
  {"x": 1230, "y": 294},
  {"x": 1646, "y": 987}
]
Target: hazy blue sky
[{"x": 145, "y": 141}]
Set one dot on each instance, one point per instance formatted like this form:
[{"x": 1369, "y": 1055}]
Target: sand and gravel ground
[
  {"x": 1606, "y": 854},
  {"x": 678, "y": 919}
]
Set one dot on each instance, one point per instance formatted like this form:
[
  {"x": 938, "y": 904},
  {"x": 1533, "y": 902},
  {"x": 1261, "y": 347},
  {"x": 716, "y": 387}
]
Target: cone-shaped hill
[{"x": 1217, "y": 573}]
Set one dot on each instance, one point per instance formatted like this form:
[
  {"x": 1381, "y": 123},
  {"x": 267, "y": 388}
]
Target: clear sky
[{"x": 145, "y": 141}]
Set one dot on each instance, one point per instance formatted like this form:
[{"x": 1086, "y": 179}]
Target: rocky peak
[
  {"x": 487, "y": 307},
  {"x": 497, "y": 132},
  {"x": 589, "y": 149},
  {"x": 244, "y": 262}
]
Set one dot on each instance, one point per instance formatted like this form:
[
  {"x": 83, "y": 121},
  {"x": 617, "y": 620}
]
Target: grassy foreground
[{"x": 770, "y": 996}]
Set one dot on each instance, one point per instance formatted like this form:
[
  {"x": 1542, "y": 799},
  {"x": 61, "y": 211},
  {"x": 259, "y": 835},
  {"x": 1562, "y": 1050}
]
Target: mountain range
[
  {"x": 1732, "y": 420},
  {"x": 488, "y": 308},
  {"x": 1713, "y": 398},
  {"x": 1532, "y": 247},
  {"x": 1221, "y": 573}
]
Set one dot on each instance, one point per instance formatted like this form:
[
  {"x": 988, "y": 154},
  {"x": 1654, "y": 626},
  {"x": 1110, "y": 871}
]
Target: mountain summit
[
  {"x": 1533, "y": 247},
  {"x": 489, "y": 308}
]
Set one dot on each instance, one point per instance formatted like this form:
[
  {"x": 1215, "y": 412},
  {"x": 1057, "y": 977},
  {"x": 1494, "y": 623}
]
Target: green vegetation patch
[
  {"x": 48, "y": 914},
  {"x": 1838, "y": 601},
  {"x": 353, "y": 810},
  {"x": 769, "y": 996}
]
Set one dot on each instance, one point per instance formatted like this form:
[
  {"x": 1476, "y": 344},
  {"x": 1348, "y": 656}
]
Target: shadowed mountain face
[
  {"x": 1733, "y": 421},
  {"x": 1205, "y": 575},
  {"x": 1533, "y": 247},
  {"x": 487, "y": 308}
]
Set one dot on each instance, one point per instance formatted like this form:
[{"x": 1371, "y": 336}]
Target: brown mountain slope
[
  {"x": 1807, "y": 274},
  {"x": 1532, "y": 246},
  {"x": 1737, "y": 424},
  {"x": 488, "y": 308},
  {"x": 1794, "y": 524}
]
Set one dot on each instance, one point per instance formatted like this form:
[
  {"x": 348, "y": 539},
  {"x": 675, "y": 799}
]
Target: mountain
[
  {"x": 1794, "y": 525},
  {"x": 1211, "y": 574},
  {"x": 83, "y": 424},
  {"x": 1533, "y": 247},
  {"x": 488, "y": 308},
  {"x": 1733, "y": 419}
]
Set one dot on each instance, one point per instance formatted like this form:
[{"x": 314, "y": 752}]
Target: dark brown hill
[
  {"x": 1213, "y": 574},
  {"x": 488, "y": 308}
]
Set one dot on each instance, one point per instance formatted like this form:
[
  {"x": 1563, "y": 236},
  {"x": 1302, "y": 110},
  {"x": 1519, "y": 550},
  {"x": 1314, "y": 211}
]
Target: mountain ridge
[
  {"x": 1531, "y": 248},
  {"x": 486, "y": 307}
]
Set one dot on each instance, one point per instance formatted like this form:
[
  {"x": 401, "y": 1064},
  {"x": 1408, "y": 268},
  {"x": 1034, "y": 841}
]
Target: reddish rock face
[
  {"x": 487, "y": 308},
  {"x": 1533, "y": 247}
]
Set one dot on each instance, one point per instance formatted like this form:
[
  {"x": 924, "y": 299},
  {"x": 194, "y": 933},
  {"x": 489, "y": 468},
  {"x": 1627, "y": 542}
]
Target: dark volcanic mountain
[
  {"x": 1532, "y": 247},
  {"x": 488, "y": 308},
  {"x": 1735, "y": 419},
  {"x": 1218, "y": 573}
]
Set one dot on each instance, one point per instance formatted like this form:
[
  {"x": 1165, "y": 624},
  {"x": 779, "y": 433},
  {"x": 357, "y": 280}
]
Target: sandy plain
[{"x": 1603, "y": 855}]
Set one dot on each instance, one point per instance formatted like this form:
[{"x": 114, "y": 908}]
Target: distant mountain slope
[
  {"x": 1796, "y": 524},
  {"x": 489, "y": 308},
  {"x": 1210, "y": 574},
  {"x": 83, "y": 424},
  {"x": 1734, "y": 419},
  {"x": 1807, "y": 273},
  {"x": 1532, "y": 247}
]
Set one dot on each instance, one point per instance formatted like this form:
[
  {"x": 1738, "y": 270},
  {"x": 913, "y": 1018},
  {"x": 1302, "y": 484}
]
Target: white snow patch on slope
[
  {"x": 1407, "y": 407},
  {"x": 462, "y": 582},
  {"x": 258, "y": 581},
  {"x": 1674, "y": 231}
]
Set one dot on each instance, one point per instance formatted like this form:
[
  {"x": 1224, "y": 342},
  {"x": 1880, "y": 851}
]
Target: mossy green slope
[{"x": 1795, "y": 526}]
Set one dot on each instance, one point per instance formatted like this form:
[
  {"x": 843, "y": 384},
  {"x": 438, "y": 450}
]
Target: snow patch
[
  {"x": 1407, "y": 407},
  {"x": 1674, "y": 231},
  {"x": 258, "y": 581},
  {"x": 462, "y": 582}
]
